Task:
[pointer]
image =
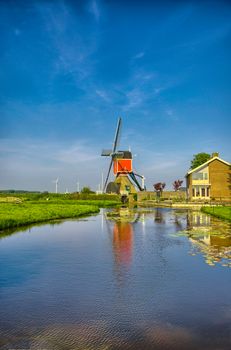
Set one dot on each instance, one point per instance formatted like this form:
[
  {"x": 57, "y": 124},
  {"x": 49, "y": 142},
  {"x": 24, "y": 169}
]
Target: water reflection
[
  {"x": 159, "y": 216},
  {"x": 209, "y": 237},
  {"x": 122, "y": 242},
  {"x": 99, "y": 335},
  {"x": 122, "y": 280},
  {"x": 122, "y": 231}
]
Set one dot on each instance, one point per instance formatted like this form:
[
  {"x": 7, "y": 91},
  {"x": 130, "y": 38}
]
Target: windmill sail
[
  {"x": 113, "y": 151},
  {"x": 108, "y": 174},
  {"x": 117, "y": 134}
]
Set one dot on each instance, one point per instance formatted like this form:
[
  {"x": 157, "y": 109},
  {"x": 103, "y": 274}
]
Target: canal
[{"x": 147, "y": 278}]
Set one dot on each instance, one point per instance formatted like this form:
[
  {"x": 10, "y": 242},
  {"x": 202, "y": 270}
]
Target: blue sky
[{"x": 70, "y": 68}]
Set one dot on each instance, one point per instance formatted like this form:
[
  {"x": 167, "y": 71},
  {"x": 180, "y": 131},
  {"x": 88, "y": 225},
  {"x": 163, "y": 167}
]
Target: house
[{"x": 210, "y": 180}]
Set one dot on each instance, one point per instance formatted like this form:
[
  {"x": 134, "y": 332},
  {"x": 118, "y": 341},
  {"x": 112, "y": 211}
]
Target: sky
[{"x": 69, "y": 69}]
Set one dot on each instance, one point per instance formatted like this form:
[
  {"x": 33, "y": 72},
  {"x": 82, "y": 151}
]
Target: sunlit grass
[
  {"x": 219, "y": 212},
  {"x": 15, "y": 215},
  {"x": 19, "y": 209}
]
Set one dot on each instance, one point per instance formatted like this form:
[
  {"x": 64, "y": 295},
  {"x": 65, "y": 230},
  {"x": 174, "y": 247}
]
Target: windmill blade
[
  {"x": 106, "y": 152},
  {"x": 117, "y": 134},
  {"x": 109, "y": 170},
  {"x": 133, "y": 177}
]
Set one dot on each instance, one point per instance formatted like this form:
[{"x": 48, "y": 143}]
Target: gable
[
  {"x": 201, "y": 174},
  {"x": 200, "y": 167}
]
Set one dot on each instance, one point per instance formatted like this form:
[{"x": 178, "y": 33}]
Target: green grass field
[
  {"x": 219, "y": 212},
  {"x": 25, "y": 209},
  {"x": 33, "y": 196},
  {"x": 15, "y": 215}
]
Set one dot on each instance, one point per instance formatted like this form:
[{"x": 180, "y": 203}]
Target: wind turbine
[
  {"x": 56, "y": 184},
  {"x": 77, "y": 186}
]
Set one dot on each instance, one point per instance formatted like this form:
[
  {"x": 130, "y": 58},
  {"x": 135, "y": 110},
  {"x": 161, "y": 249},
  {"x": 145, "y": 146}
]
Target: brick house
[{"x": 210, "y": 181}]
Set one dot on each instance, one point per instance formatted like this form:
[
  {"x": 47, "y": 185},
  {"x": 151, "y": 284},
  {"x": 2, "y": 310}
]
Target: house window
[
  {"x": 197, "y": 176},
  {"x": 200, "y": 176},
  {"x": 203, "y": 192},
  {"x": 207, "y": 191},
  {"x": 193, "y": 192}
]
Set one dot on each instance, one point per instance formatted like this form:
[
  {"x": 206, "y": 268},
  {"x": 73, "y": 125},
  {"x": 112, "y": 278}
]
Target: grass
[
  {"x": 32, "y": 196},
  {"x": 16, "y": 215},
  {"x": 219, "y": 212},
  {"x": 24, "y": 209}
]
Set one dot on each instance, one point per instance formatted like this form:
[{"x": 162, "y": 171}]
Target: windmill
[
  {"x": 125, "y": 179},
  {"x": 56, "y": 184}
]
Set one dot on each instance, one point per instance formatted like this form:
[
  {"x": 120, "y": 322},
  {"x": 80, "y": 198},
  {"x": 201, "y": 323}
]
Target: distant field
[
  {"x": 33, "y": 196},
  {"x": 219, "y": 212},
  {"x": 24, "y": 209}
]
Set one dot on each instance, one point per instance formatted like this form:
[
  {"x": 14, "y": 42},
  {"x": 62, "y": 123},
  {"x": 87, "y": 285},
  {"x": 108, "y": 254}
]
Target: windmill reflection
[{"x": 122, "y": 241}]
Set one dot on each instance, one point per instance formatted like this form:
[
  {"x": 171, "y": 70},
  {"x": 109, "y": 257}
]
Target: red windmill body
[{"x": 122, "y": 164}]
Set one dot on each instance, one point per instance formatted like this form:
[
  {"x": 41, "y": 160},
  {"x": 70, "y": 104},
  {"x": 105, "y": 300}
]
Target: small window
[
  {"x": 193, "y": 192},
  {"x": 197, "y": 176},
  {"x": 207, "y": 191},
  {"x": 200, "y": 176},
  {"x": 203, "y": 192}
]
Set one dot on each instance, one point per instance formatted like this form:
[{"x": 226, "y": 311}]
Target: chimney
[{"x": 216, "y": 154}]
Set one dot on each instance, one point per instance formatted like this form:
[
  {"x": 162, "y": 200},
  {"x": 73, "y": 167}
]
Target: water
[{"x": 124, "y": 279}]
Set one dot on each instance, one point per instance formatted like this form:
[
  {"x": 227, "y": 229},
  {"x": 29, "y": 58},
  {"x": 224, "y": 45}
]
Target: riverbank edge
[
  {"x": 217, "y": 210},
  {"x": 223, "y": 213},
  {"x": 154, "y": 204},
  {"x": 17, "y": 213},
  {"x": 56, "y": 214}
]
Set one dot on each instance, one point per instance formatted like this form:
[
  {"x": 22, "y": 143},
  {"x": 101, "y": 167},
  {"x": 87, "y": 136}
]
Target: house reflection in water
[{"x": 210, "y": 237}]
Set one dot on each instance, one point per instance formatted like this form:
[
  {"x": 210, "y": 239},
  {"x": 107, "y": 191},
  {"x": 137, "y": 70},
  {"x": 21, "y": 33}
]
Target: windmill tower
[
  {"x": 56, "y": 184},
  {"x": 125, "y": 179}
]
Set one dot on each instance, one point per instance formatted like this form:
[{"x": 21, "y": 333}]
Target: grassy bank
[
  {"x": 25, "y": 209},
  {"x": 16, "y": 215},
  {"x": 219, "y": 212}
]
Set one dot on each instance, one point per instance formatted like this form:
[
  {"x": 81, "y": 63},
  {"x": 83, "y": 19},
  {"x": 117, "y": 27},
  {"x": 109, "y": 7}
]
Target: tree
[
  {"x": 159, "y": 187},
  {"x": 199, "y": 159},
  {"x": 177, "y": 184},
  {"x": 86, "y": 190}
]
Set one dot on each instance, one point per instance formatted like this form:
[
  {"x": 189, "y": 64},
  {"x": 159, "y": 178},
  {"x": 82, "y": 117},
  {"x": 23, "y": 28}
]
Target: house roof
[{"x": 206, "y": 163}]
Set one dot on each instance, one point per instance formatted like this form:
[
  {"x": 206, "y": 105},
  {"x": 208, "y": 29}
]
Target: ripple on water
[{"x": 118, "y": 281}]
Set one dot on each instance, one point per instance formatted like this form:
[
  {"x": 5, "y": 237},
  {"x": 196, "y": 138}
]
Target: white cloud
[
  {"x": 103, "y": 94},
  {"x": 95, "y": 10},
  {"x": 135, "y": 98},
  {"x": 158, "y": 90},
  {"x": 65, "y": 34},
  {"x": 76, "y": 153},
  {"x": 30, "y": 164},
  {"x": 169, "y": 112},
  {"x": 139, "y": 55},
  {"x": 17, "y": 32}
]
